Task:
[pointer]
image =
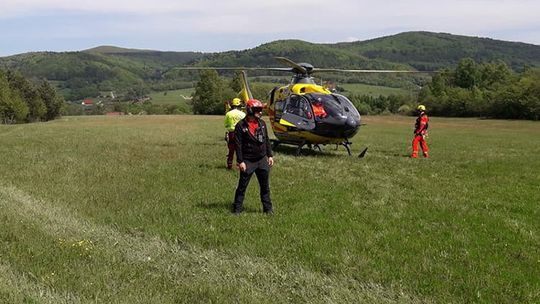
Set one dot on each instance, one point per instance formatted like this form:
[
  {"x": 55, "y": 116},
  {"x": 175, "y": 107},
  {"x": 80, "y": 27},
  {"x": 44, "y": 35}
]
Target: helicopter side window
[
  {"x": 279, "y": 107},
  {"x": 299, "y": 106}
]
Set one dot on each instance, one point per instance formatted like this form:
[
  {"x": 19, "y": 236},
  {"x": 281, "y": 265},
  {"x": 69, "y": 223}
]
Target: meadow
[
  {"x": 177, "y": 96},
  {"x": 135, "y": 209},
  {"x": 172, "y": 97}
]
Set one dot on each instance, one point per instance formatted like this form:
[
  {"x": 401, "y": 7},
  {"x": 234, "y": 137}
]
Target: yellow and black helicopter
[{"x": 304, "y": 113}]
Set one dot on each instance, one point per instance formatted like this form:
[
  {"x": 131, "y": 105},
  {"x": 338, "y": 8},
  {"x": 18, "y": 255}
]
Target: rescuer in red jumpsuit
[{"x": 420, "y": 132}]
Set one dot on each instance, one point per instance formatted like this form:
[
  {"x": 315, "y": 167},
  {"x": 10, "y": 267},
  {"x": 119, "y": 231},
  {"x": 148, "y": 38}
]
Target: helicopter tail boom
[{"x": 245, "y": 93}]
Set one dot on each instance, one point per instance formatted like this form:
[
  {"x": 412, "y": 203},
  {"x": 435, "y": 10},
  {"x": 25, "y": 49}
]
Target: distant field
[
  {"x": 365, "y": 89},
  {"x": 175, "y": 97},
  {"x": 135, "y": 209},
  {"x": 172, "y": 97}
]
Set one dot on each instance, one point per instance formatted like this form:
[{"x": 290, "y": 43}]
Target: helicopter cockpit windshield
[
  {"x": 330, "y": 114},
  {"x": 334, "y": 114},
  {"x": 332, "y": 107}
]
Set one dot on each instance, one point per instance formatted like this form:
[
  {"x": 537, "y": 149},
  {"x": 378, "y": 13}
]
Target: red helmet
[{"x": 254, "y": 105}]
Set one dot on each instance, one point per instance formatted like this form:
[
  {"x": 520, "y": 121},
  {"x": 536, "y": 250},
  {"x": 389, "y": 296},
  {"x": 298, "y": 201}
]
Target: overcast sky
[{"x": 211, "y": 26}]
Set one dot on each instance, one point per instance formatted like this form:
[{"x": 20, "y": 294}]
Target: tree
[
  {"x": 29, "y": 95},
  {"x": 53, "y": 102},
  {"x": 12, "y": 107},
  {"x": 236, "y": 83},
  {"x": 137, "y": 92},
  {"x": 210, "y": 93},
  {"x": 467, "y": 74},
  {"x": 493, "y": 74}
]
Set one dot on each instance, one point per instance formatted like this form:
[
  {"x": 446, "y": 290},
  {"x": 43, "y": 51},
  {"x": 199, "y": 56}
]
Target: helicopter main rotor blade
[
  {"x": 293, "y": 64},
  {"x": 231, "y": 69},
  {"x": 366, "y": 71},
  {"x": 296, "y": 68}
]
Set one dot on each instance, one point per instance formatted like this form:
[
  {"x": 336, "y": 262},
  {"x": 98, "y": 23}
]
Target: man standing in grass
[
  {"x": 253, "y": 155},
  {"x": 231, "y": 119},
  {"x": 420, "y": 132}
]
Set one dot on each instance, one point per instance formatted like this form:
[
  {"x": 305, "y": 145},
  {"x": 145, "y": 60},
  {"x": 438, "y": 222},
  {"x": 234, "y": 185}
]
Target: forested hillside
[
  {"x": 319, "y": 55},
  {"x": 432, "y": 51},
  {"x": 85, "y": 74},
  {"x": 131, "y": 74},
  {"x": 149, "y": 58},
  {"x": 108, "y": 68}
]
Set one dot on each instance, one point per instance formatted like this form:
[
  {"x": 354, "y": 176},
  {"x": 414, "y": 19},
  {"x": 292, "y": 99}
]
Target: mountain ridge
[{"x": 106, "y": 67}]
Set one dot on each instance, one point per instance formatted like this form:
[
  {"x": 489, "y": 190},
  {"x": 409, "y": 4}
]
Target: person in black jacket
[{"x": 253, "y": 155}]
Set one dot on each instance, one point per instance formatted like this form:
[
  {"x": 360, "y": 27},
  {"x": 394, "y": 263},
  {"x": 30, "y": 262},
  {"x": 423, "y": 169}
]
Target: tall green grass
[{"x": 136, "y": 210}]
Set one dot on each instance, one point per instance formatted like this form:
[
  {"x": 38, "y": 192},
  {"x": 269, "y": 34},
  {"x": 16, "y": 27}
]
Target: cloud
[
  {"x": 244, "y": 16},
  {"x": 243, "y": 21},
  {"x": 15, "y": 8}
]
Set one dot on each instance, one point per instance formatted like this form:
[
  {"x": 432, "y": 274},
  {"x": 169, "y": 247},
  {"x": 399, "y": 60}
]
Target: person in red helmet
[
  {"x": 420, "y": 132},
  {"x": 253, "y": 155}
]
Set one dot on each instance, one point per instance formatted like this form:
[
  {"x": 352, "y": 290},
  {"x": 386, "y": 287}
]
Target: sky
[{"x": 215, "y": 26}]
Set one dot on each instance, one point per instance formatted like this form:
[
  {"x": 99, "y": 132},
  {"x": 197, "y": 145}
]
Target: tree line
[
  {"x": 471, "y": 89},
  {"x": 211, "y": 91},
  {"x": 21, "y": 101},
  {"x": 489, "y": 90}
]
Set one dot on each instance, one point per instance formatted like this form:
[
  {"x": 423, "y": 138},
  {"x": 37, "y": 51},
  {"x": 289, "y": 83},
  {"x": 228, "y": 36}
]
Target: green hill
[
  {"x": 109, "y": 68},
  {"x": 431, "y": 51},
  {"x": 87, "y": 73},
  {"x": 320, "y": 55},
  {"x": 111, "y": 49},
  {"x": 418, "y": 50},
  {"x": 149, "y": 58}
]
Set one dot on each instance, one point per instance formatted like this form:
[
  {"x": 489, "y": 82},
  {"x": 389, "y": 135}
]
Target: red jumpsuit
[
  {"x": 231, "y": 145},
  {"x": 420, "y": 134}
]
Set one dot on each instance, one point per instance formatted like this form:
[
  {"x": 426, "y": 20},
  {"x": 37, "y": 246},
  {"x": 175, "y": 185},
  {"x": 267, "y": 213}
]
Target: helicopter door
[{"x": 298, "y": 113}]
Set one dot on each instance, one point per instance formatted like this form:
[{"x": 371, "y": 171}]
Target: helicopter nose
[
  {"x": 351, "y": 123},
  {"x": 351, "y": 127}
]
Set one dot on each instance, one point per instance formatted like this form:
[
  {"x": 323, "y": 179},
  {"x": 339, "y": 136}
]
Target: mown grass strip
[{"x": 194, "y": 272}]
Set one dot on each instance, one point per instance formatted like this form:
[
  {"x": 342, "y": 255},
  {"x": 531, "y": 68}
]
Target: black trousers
[{"x": 262, "y": 170}]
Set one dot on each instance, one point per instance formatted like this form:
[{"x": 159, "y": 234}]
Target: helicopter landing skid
[
  {"x": 299, "y": 146},
  {"x": 347, "y": 145},
  {"x": 276, "y": 143}
]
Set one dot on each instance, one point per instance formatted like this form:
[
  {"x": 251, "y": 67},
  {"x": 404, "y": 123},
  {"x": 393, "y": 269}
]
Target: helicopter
[{"x": 303, "y": 113}]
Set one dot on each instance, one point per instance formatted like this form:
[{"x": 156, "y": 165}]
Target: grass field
[
  {"x": 136, "y": 210},
  {"x": 172, "y": 97}
]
